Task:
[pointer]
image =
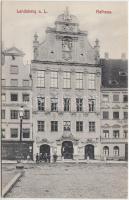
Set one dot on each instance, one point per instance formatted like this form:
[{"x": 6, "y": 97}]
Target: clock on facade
[{"x": 68, "y": 27}]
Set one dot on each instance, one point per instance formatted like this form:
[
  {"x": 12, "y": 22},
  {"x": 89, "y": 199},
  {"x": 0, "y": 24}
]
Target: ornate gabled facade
[{"x": 66, "y": 91}]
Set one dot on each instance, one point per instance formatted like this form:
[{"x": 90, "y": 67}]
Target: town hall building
[{"x": 79, "y": 104}]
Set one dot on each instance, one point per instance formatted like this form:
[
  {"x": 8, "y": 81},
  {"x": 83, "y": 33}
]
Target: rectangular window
[
  {"x": 125, "y": 98},
  {"x": 115, "y": 97},
  {"x": 25, "y": 97},
  {"x": 54, "y": 104},
  {"x": 3, "y": 82},
  {"x": 3, "y": 133},
  {"x": 115, "y": 115},
  {"x": 91, "y": 81},
  {"x": 40, "y": 79},
  {"x": 66, "y": 104},
  {"x": 125, "y": 115},
  {"x": 14, "y": 132},
  {"x": 2, "y": 114},
  {"x": 105, "y": 115},
  {"x": 79, "y": 104},
  {"x": 14, "y": 114},
  {"x": 41, "y": 103},
  {"x": 3, "y": 97},
  {"x": 54, "y": 79},
  {"x": 91, "y": 103},
  {"x": 13, "y": 69},
  {"x": 26, "y": 132},
  {"x": 67, "y": 125},
  {"x": 26, "y": 114},
  {"x": 79, "y": 80},
  {"x": 14, "y": 97},
  {"x": 116, "y": 133},
  {"x": 14, "y": 82},
  {"x": 105, "y": 98},
  {"x": 41, "y": 125},
  {"x": 91, "y": 126},
  {"x": 25, "y": 83},
  {"x": 106, "y": 133},
  {"x": 67, "y": 80},
  {"x": 125, "y": 134},
  {"x": 79, "y": 126},
  {"x": 54, "y": 126}
]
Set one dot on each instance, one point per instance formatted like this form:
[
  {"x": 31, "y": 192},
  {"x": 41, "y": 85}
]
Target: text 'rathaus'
[{"x": 75, "y": 103}]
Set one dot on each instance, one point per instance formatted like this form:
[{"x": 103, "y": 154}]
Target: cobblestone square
[{"x": 72, "y": 180}]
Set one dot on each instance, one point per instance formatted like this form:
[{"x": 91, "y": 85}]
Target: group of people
[{"x": 45, "y": 157}]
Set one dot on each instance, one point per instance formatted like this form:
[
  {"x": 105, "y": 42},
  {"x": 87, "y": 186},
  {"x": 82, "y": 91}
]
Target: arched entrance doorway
[
  {"x": 89, "y": 151},
  {"x": 67, "y": 150},
  {"x": 45, "y": 148}
]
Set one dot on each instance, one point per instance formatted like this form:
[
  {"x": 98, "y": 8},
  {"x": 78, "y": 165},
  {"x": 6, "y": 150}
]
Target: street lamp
[{"x": 19, "y": 163}]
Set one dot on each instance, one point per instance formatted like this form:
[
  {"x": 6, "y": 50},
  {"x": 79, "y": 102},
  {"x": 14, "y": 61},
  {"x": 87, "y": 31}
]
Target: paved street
[{"x": 65, "y": 180}]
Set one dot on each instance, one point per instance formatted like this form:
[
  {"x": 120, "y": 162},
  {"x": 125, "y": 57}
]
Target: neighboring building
[
  {"x": 114, "y": 108},
  {"x": 16, "y": 92}
]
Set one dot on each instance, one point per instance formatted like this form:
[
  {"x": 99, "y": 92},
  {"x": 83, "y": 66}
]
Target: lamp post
[{"x": 19, "y": 163}]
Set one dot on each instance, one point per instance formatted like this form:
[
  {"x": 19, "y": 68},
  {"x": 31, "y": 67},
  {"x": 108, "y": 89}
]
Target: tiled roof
[{"x": 114, "y": 73}]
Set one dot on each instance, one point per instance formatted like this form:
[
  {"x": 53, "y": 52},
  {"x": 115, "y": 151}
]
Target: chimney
[
  {"x": 106, "y": 55},
  {"x": 123, "y": 56}
]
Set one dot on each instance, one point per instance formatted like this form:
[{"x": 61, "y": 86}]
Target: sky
[{"x": 111, "y": 29}]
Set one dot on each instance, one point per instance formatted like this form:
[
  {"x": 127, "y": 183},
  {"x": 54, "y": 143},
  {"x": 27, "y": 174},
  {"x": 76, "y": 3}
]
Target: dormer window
[
  {"x": 113, "y": 82},
  {"x": 67, "y": 44},
  {"x": 122, "y": 73}
]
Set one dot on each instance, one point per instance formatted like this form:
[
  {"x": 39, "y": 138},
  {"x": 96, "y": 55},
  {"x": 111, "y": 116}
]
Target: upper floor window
[
  {"x": 13, "y": 69},
  {"x": 2, "y": 114},
  {"x": 125, "y": 134},
  {"x": 54, "y": 104},
  {"x": 66, "y": 104},
  {"x": 25, "y": 83},
  {"x": 26, "y": 132},
  {"x": 67, "y": 125},
  {"x": 3, "y": 97},
  {"x": 41, "y": 125},
  {"x": 13, "y": 57},
  {"x": 125, "y": 115},
  {"x": 25, "y": 97},
  {"x": 105, "y": 115},
  {"x": 79, "y": 104},
  {"x": 40, "y": 79},
  {"x": 79, "y": 126},
  {"x": 115, "y": 115},
  {"x": 14, "y": 97},
  {"x": 125, "y": 98},
  {"x": 91, "y": 81},
  {"x": 54, "y": 79},
  {"x": 116, "y": 133},
  {"x": 14, "y": 132},
  {"x": 91, "y": 103},
  {"x": 3, "y": 135},
  {"x": 54, "y": 126},
  {"x": 115, "y": 97},
  {"x": 106, "y": 133},
  {"x": 41, "y": 103},
  {"x": 105, "y": 98},
  {"x": 14, "y": 114},
  {"x": 14, "y": 82},
  {"x": 67, "y": 80},
  {"x": 79, "y": 80},
  {"x": 3, "y": 82},
  {"x": 91, "y": 126},
  {"x": 26, "y": 114}
]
